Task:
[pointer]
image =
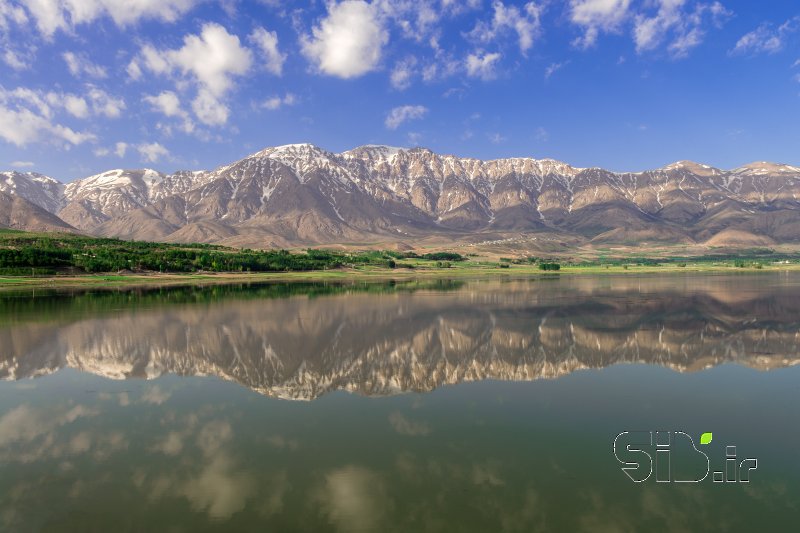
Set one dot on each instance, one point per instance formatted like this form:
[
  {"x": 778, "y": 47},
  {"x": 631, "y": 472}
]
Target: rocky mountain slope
[
  {"x": 19, "y": 213},
  {"x": 303, "y": 195}
]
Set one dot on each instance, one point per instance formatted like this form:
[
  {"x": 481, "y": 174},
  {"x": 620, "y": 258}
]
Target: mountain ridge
[{"x": 301, "y": 194}]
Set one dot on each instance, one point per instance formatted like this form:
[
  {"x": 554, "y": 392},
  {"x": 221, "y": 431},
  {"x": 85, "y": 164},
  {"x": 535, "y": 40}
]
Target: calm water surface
[{"x": 418, "y": 406}]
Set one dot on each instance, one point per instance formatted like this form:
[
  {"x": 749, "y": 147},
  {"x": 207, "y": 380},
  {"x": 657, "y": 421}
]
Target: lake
[{"x": 478, "y": 405}]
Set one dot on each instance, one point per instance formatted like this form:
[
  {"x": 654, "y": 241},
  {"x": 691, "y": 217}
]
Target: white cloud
[
  {"x": 276, "y": 102},
  {"x": 443, "y": 66},
  {"x": 15, "y": 60},
  {"x": 167, "y": 102},
  {"x": 418, "y": 19},
  {"x": 401, "y": 114},
  {"x": 267, "y": 42},
  {"x": 686, "y": 28},
  {"x": 151, "y": 153},
  {"x": 119, "y": 150},
  {"x": 27, "y": 116},
  {"x": 649, "y": 31},
  {"x": 51, "y": 16},
  {"x": 211, "y": 60},
  {"x": 79, "y": 64},
  {"x": 76, "y": 106},
  {"x": 597, "y": 15},
  {"x": 134, "y": 70},
  {"x": 766, "y": 39},
  {"x": 496, "y": 138},
  {"x": 482, "y": 65},
  {"x": 526, "y": 22},
  {"x": 552, "y": 68},
  {"x": 541, "y": 134},
  {"x": 209, "y": 109},
  {"x": 685, "y": 41},
  {"x": 96, "y": 102},
  {"x": 402, "y": 73},
  {"x": 23, "y": 164},
  {"x": 104, "y": 104},
  {"x": 348, "y": 42},
  {"x": 10, "y": 13},
  {"x": 458, "y": 7}
]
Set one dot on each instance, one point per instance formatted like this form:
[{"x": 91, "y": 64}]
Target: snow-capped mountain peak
[
  {"x": 38, "y": 189},
  {"x": 765, "y": 168},
  {"x": 301, "y": 194}
]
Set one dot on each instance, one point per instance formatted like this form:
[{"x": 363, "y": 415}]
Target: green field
[{"x": 64, "y": 260}]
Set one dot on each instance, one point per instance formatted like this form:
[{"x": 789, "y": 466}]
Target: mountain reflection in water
[{"x": 304, "y": 340}]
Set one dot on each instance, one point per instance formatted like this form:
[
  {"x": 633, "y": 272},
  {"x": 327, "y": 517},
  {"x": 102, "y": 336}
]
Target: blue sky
[{"x": 88, "y": 85}]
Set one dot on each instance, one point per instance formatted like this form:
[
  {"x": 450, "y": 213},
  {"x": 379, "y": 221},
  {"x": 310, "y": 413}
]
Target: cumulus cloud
[
  {"x": 105, "y": 104},
  {"x": 51, "y": 16},
  {"x": 119, "y": 150},
  {"x": 79, "y": 65},
  {"x": 348, "y": 42},
  {"x": 399, "y": 115},
  {"x": 766, "y": 39},
  {"x": 595, "y": 16},
  {"x": 76, "y": 106},
  {"x": 276, "y": 102},
  {"x": 209, "y": 109},
  {"x": 169, "y": 104},
  {"x": 267, "y": 42},
  {"x": 526, "y": 22},
  {"x": 482, "y": 65},
  {"x": 95, "y": 102},
  {"x": 152, "y": 153},
  {"x": 211, "y": 60},
  {"x": 28, "y": 116}
]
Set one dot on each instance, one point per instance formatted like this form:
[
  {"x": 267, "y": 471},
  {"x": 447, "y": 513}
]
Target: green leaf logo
[{"x": 705, "y": 438}]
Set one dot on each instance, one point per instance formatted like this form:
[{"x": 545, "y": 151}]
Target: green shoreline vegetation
[{"x": 66, "y": 260}]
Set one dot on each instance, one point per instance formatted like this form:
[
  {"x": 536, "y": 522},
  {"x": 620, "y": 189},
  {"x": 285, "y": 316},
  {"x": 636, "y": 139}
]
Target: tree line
[{"x": 19, "y": 253}]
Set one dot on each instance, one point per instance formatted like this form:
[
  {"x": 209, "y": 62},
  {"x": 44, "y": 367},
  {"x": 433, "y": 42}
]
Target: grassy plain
[{"x": 464, "y": 270}]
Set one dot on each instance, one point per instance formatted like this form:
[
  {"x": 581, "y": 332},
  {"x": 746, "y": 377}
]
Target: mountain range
[{"x": 302, "y": 195}]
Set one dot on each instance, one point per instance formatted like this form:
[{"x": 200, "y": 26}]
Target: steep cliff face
[{"x": 301, "y": 194}]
